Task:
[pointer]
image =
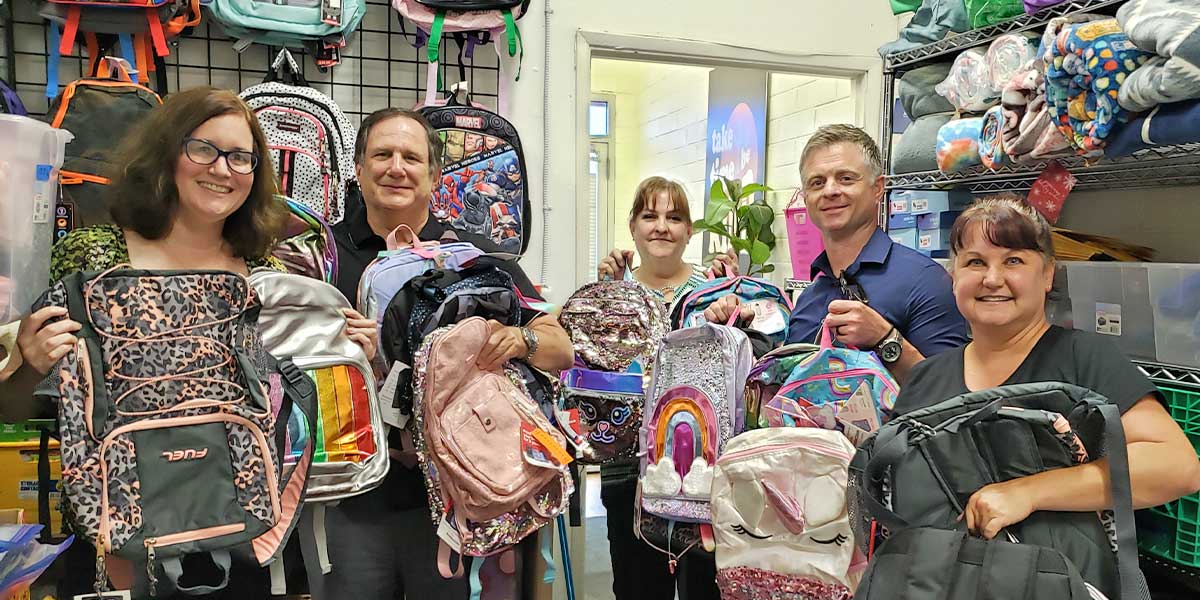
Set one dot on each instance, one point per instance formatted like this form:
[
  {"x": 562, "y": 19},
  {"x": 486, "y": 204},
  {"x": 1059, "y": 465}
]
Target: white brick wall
[{"x": 798, "y": 105}]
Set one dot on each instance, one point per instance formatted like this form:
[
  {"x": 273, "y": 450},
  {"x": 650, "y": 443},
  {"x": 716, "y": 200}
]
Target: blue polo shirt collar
[{"x": 875, "y": 252}]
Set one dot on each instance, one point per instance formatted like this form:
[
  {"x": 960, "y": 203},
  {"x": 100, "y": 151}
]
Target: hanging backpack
[
  {"x": 601, "y": 413},
  {"x": 143, "y": 29},
  {"x": 310, "y": 139},
  {"x": 10, "y": 102},
  {"x": 320, "y": 26},
  {"x": 308, "y": 247},
  {"x": 694, "y": 407},
  {"x": 920, "y": 469},
  {"x": 441, "y": 297},
  {"x": 483, "y": 188},
  {"x": 494, "y": 466},
  {"x": 99, "y": 111},
  {"x": 806, "y": 385},
  {"x": 433, "y": 18},
  {"x": 779, "y": 516},
  {"x": 772, "y": 307},
  {"x": 613, "y": 324},
  {"x": 168, "y": 437}
]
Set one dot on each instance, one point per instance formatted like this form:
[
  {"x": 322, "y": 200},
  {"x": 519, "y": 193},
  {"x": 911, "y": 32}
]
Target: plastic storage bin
[
  {"x": 1114, "y": 299},
  {"x": 1172, "y": 530},
  {"x": 1175, "y": 301},
  {"x": 30, "y": 157}
]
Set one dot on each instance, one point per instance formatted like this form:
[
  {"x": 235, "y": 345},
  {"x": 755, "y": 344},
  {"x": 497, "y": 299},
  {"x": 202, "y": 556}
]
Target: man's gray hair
[{"x": 829, "y": 135}]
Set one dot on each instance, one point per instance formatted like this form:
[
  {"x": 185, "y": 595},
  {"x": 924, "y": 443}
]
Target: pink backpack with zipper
[{"x": 494, "y": 466}]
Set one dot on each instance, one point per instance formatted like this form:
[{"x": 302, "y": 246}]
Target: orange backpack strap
[
  {"x": 142, "y": 53},
  {"x": 93, "y": 51},
  {"x": 70, "y": 29},
  {"x": 156, "y": 32}
]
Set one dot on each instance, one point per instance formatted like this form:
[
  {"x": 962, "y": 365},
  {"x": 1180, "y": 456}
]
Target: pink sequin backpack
[
  {"x": 494, "y": 466},
  {"x": 612, "y": 324}
]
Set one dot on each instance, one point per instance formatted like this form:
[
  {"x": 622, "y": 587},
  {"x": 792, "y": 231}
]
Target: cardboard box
[
  {"x": 937, "y": 240},
  {"x": 937, "y": 220},
  {"x": 904, "y": 237},
  {"x": 902, "y": 221},
  {"x": 19, "y": 480},
  {"x": 930, "y": 201}
]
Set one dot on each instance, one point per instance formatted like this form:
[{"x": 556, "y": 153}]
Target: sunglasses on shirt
[{"x": 851, "y": 290}]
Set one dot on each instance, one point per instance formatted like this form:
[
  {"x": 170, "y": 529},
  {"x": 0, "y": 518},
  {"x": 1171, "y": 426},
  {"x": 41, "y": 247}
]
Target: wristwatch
[
  {"x": 531, "y": 342},
  {"x": 890, "y": 347}
]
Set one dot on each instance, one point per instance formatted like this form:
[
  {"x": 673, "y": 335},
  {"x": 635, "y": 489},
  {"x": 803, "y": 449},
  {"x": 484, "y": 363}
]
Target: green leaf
[
  {"x": 767, "y": 236},
  {"x": 768, "y": 269},
  {"x": 759, "y": 214},
  {"x": 752, "y": 188},
  {"x": 739, "y": 244},
  {"x": 717, "y": 209},
  {"x": 760, "y": 252},
  {"x": 717, "y": 191}
]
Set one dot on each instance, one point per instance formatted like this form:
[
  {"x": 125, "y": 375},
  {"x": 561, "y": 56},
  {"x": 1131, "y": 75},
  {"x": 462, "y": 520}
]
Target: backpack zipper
[
  {"x": 821, "y": 447},
  {"x": 839, "y": 375}
]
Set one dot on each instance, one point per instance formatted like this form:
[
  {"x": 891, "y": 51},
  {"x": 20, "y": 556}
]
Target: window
[{"x": 598, "y": 118}]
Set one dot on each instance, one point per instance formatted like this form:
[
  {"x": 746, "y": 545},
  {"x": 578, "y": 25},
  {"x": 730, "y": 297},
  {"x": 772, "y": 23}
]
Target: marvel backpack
[
  {"x": 143, "y": 29},
  {"x": 806, "y": 385},
  {"x": 310, "y": 138},
  {"x": 440, "y": 297},
  {"x": 483, "y": 187},
  {"x": 158, "y": 462},
  {"x": 694, "y": 407},
  {"x": 308, "y": 247},
  {"x": 320, "y": 26},
  {"x": 779, "y": 516},
  {"x": 920, "y": 469},
  {"x": 613, "y": 324},
  {"x": 772, "y": 307},
  {"x": 99, "y": 111},
  {"x": 10, "y": 102},
  {"x": 494, "y": 466}
]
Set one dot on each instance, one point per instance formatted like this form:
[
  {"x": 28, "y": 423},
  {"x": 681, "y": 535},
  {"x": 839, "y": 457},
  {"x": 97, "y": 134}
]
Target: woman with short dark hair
[{"x": 1003, "y": 269}]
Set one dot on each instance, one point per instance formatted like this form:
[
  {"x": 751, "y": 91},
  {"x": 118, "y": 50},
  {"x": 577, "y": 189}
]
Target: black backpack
[
  {"x": 920, "y": 469},
  {"x": 438, "y": 298},
  {"x": 483, "y": 188},
  {"x": 99, "y": 111}
]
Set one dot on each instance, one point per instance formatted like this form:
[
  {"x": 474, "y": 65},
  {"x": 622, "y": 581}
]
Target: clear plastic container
[
  {"x": 31, "y": 153},
  {"x": 1113, "y": 299},
  {"x": 1175, "y": 299}
]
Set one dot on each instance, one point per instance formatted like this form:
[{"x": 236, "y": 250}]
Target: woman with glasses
[{"x": 194, "y": 190}]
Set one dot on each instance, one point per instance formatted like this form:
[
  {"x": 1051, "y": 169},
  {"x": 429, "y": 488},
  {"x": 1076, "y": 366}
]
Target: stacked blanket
[
  {"x": 916, "y": 150},
  {"x": 991, "y": 140},
  {"x": 958, "y": 145},
  {"x": 968, "y": 86},
  {"x": 1165, "y": 125},
  {"x": 1171, "y": 29},
  {"x": 1029, "y": 134},
  {"x": 1086, "y": 66},
  {"x": 1007, "y": 55},
  {"x": 917, "y": 93}
]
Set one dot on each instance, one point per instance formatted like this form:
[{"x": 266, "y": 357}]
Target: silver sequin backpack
[{"x": 614, "y": 323}]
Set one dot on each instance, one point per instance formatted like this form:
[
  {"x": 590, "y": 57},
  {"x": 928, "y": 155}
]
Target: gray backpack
[{"x": 920, "y": 469}]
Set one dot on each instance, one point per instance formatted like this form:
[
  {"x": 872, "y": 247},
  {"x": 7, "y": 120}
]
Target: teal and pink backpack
[{"x": 772, "y": 307}]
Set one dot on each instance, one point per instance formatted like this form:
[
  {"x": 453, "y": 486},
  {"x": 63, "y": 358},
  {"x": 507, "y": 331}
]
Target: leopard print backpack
[{"x": 167, "y": 434}]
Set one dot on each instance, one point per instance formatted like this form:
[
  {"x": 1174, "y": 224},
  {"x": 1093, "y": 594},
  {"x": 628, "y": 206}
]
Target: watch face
[{"x": 890, "y": 351}]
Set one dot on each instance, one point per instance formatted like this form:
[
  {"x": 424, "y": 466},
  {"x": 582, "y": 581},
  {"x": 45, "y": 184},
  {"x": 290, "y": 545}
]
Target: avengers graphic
[{"x": 482, "y": 188}]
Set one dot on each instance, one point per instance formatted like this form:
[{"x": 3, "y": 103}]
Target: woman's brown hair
[
  {"x": 650, "y": 187},
  {"x": 143, "y": 197},
  {"x": 1008, "y": 222}
]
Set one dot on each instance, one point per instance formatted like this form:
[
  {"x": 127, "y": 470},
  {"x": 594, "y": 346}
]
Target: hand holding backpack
[{"x": 772, "y": 307}]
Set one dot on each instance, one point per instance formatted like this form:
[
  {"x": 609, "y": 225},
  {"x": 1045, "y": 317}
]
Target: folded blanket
[
  {"x": 1029, "y": 133},
  {"x": 1032, "y": 6},
  {"x": 1171, "y": 29},
  {"x": 1007, "y": 54},
  {"x": 917, "y": 148},
  {"x": 958, "y": 145},
  {"x": 1056, "y": 25},
  {"x": 990, "y": 12},
  {"x": 968, "y": 85},
  {"x": 1166, "y": 125},
  {"x": 917, "y": 93},
  {"x": 991, "y": 140},
  {"x": 933, "y": 21},
  {"x": 1088, "y": 63}
]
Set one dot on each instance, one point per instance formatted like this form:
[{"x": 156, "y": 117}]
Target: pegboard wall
[{"x": 380, "y": 66}]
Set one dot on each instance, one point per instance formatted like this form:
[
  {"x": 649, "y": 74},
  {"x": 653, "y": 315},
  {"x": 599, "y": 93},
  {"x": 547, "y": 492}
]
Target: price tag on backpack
[
  {"x": 570, "y": 420},
  {"x": 768, "y": 318},
  {"x": 542, "y": 450},
  {"x": 448, "y": 533}
]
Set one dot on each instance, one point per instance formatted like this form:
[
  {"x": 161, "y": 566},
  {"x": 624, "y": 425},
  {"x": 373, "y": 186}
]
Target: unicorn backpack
[
  {"x": 693, "y": 408},
  {"x": 772, "y": 307},
  {"x": 802, "y": 385},
  {"x": 780, "y": 521}
]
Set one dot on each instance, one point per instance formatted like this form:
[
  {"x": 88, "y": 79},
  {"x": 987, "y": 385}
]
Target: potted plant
[{"x": 751, "y": 222}]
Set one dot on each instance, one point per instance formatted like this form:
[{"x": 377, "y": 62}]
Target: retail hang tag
[
  {"x": 1050, "y": 191},
  {"x": 391, "y": 413},
  {"x": 448, "y": 533},
  {"x": 120, "y": 595},
  {"x": 768, "y": 318},
  {"x": 1108, "y": 318},
  {"x": 542, "y": 450},
  {"x": 568, "y": 421}
]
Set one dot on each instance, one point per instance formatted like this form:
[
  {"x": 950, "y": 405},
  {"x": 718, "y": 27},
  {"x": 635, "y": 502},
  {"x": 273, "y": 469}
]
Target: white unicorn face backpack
[{"x": 780, "y": 519}]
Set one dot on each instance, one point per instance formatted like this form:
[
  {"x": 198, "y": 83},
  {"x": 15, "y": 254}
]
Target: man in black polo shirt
[{"x": 382, "y": 544}]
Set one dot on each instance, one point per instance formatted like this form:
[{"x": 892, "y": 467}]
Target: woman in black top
[{"x": 1003, "y": 268}]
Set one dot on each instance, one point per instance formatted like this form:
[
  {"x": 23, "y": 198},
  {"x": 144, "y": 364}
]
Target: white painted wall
[{"x": 800, "y": 35}]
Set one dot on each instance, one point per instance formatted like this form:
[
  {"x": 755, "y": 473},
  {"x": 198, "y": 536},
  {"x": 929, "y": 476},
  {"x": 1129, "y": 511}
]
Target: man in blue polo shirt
[{"x": 871, "y": 292}]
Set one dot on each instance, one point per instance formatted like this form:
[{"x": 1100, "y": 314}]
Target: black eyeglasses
[
  {"x": 851, "y": 290},
  {"x": 204, "y": 153}
]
